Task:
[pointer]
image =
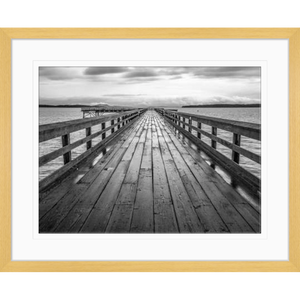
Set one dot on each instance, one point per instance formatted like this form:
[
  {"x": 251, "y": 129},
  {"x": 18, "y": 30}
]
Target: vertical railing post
[
  {"x": 236, "y": 141},
  {"x": 119, "y": 125},
  {"x": 112, "y": 122},
  {"x": 65, "y": 142},
  {"x": 214, "y": 132},
  {"x": 123, "y": 122},
  {"x": 183, "y": 124},
  {"x": 190, "y": 125},
  {"x": 88, "y": 132},
  {"x": 199, "y": 134},
  {"x": 103, "y": 125}
]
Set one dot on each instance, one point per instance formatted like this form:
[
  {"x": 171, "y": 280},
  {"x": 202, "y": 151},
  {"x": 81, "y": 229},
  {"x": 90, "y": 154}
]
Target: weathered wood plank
[
  {"x": 101, "y": 213},
  {"x": 135, "y": 164},
  {"x": 80, "y": 211},
  {"x": 232, "y": 218},
  {"x": 165, "y": 219},
  {"x": 206, "y": 212},
  {"x": 187, "y": 218},
  {"x": 121, "y": 216},
  {"x": 143, "y": 214}
]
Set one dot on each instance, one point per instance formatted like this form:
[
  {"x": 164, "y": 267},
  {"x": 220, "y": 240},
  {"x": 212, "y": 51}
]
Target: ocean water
[{"x": 53, "y": 115}]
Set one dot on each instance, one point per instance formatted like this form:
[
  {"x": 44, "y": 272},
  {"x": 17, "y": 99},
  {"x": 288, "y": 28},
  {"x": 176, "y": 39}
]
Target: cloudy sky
[{"x": 149, "y": 86}]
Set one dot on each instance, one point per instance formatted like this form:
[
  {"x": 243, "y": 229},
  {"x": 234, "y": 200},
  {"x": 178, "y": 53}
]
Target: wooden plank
[
  {"x": 187, "y": 218},
  {"x": 81, "y": 210},
  {"x": 121, "y": 216},
  {"x": 143, "y": 214},
  {"x": 164, "y": 215},
  {"x": 147, "y": 154},
  {"x": 231, "y": 217},
  {"x": 206, "y": 212},
  {"x": 135, "y": 164},
  {"x": 77, "y": 215},
  {"x": 100, "y": 214},
  {"x": 52, "y": 218}
]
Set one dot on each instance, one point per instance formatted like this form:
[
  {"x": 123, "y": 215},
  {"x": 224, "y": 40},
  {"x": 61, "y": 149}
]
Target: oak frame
[{"x": 6, "y": 36}]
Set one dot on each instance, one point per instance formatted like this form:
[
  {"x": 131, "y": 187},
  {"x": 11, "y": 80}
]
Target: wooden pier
[{"x": 148, "y": 179}]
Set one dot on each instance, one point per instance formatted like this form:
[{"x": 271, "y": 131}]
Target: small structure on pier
[{"x": 96, "y": 111}]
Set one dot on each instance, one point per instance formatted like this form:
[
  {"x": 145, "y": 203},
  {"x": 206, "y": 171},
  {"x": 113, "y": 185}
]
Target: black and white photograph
[{"x": 150, "y": 149}]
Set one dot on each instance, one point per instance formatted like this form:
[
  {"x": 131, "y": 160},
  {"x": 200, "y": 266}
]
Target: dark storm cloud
[
  {"x": 104, "y": 70},
  {"x": 144, "y": 72},
  {"x": 57, "y": 73},
  {"x": 227, "y": 72},
  {"x": 141, "y": 74}
]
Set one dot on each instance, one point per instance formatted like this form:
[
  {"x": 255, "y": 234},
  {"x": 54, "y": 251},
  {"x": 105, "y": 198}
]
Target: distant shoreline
[
  {"x": 222, "y": 105},
  {"x": 184, "y": 106},
  {"x": 65, "y": 106}
]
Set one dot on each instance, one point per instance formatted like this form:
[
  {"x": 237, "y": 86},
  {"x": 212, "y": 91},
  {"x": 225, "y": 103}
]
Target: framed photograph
[{"x": 133, "y": 149}]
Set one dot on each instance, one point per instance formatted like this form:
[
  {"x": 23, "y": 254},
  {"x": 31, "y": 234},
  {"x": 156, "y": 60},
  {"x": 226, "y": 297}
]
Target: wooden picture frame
[{"x": 6, "y": 37}]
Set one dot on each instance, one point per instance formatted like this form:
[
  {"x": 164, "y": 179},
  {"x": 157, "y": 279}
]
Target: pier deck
[{"x": 148, "y": 182}]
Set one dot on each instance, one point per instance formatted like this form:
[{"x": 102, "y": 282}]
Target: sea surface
[{"x": 53, "y": 115}]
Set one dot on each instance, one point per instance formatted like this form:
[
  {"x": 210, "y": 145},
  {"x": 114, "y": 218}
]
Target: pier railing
[
  {"x": 185, "y": 123},
  {"x": 118, "y": 123}
]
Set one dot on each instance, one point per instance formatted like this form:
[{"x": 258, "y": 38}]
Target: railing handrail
[
  {"x": 118, "y": 123},
  {"x": 251, "y": 130},
  {"x": 53, "y": 130}
]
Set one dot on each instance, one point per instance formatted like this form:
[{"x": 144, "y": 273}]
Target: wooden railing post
[
  {"x": 88, "y": 132},
  {"x": 214, "y": 132},
  {"x": 65, "y": 142},
  {"x": 190, "y": 125},
  {"x": 236, "y": 141},
  {"x": 183, "y": 125},
  {"x": 103, "y": 125},
  {"x": 199, "y": 134},
  {"x": 112, "y": 122},
  {"x": 119, "y": 125}
]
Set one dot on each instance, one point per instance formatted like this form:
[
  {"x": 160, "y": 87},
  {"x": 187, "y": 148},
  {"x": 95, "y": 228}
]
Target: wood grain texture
[
  {"x": 7, "y": 265},
  {"x": 148, "y": 33}
]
